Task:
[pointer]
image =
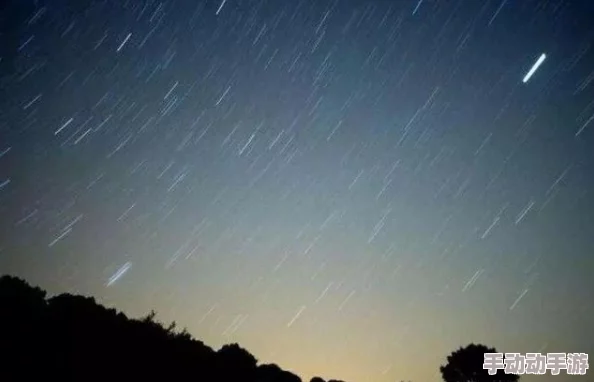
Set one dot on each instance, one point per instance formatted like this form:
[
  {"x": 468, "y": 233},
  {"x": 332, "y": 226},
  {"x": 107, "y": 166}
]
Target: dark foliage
[
  {"x": 72, "y": 338},
  {"x": 466, "y": 365}
]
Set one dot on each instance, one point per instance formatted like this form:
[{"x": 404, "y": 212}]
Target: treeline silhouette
[{"x": 73, "y": 338}]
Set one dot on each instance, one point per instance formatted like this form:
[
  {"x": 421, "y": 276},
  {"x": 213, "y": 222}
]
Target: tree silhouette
[
  {"x": 73, "y": 338},
  {"x": 466, "y": 365},
  {"x": 273, "y": 373},
  {"x": 239, "y": 356},
  {"x": 23, "y": 310}
]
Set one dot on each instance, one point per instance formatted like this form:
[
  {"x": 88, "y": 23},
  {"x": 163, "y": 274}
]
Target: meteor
[
  {"x": 534, "y": 67},
  {"x": 121, "y": 272}
]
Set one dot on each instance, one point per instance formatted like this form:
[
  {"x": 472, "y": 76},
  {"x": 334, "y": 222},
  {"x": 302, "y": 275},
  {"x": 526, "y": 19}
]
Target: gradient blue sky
[{"x": 350, "y": 189}]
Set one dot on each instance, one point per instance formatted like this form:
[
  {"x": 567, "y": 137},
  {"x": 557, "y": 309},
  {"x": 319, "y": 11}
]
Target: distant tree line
[{"x": 72, "y": 338}]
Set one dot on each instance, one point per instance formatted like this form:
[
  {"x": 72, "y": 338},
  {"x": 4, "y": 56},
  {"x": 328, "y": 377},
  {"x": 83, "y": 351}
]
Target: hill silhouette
[{"x": 73, "y": 338}]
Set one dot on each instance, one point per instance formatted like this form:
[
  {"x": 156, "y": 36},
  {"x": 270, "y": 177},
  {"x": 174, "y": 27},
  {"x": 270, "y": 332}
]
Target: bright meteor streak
[
  {"x": 121, "y": 272},
  {"x": 534, "y": 67}
]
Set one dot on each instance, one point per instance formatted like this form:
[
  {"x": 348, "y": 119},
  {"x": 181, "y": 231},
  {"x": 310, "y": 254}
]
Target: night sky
[{"x": 349, "y": 189}]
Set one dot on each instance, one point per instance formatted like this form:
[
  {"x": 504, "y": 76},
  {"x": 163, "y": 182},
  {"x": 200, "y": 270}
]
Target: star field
[{"x": 349, "y": 189}]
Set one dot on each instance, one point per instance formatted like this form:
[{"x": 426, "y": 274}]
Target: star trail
[{"x": 348, "y": 189}]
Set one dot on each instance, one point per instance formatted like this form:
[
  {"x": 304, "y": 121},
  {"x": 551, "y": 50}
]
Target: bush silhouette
[
  {"x": 72, "y": 338},
  {"x": 466, "y": 365},
  {"x": 271, "y": 372}
]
